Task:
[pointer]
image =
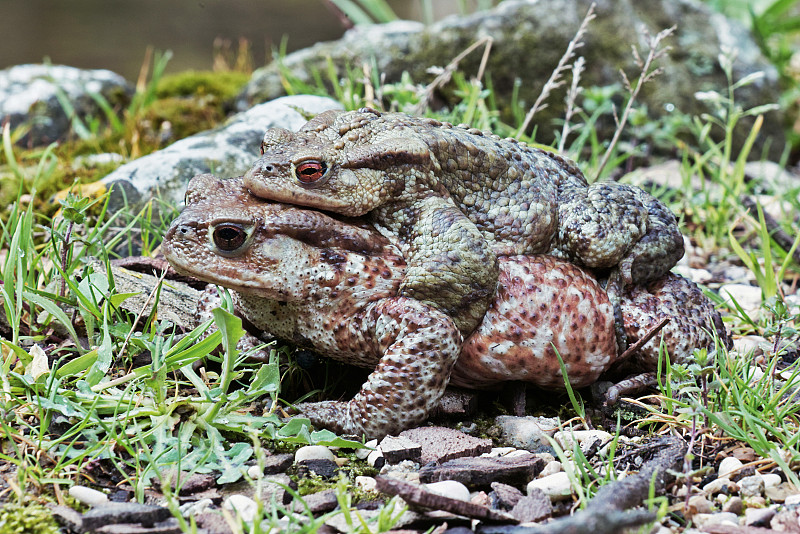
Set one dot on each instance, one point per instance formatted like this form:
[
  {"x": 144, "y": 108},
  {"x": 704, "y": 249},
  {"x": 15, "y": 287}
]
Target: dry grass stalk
[
  {"x": 444, "y": 76},
  {"x": 575, "y": 89},
  {"x": 645, "y": 75},
  {"x": 555, "y": 80}
]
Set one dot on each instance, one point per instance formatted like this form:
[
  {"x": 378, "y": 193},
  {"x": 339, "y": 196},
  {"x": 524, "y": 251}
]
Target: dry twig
[
  {"x": 555, "y": 80},
  {"x": 645, "y": 75}
]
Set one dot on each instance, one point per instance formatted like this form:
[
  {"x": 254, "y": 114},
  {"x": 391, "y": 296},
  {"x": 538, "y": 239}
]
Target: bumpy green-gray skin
[
  {"x": 333, "y": 286},
  {"x": 455, "y": 198}
]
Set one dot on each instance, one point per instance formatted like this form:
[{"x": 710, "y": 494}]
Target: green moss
[
  {"x": 31, "y": 518},
  {"x": 223, "y": 85}
]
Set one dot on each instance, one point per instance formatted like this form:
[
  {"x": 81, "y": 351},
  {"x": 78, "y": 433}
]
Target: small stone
[
  {"x": 313, "y": 452},
  {"x": 585, "y": 439},
  {"x": 728, "y": 465},
  {"x": 698, "y": 504},
  {"x": 319, "y": 502},
  {"x": 376, "y": 459},
  {"x": 449, "y": 488},
  {"x": 780, "y": 492},
  {"x": 734, "y": 505},
  {"x": 758, "y": 517},
  {"x": 504, "y": 496},
  {"x": 277, "y": 463},
  {"x": 751, "y": 486},
  {"x": 89, "y": 496},
  {"x": 551, "y": 468},
  {"x": 719, "y": 518},
  {"x": 556, "y": 486},
  {"x": 496, "y": 452},
  {"x": 749, "y": 344},
  {"x": 792, "y": 500},
  {"x": 481, "y": 471},
  {"x": 242, "y": 505},
  {"x": 527, "y": 432},
  {"x": 196, "y": 507},
  {"x": 398, "y": 448},
  {"x": 720, "y": 485},
  {"x": 369, "y": 446},
  {"x": 405, "y": 470},
  {"x": 255, "y": 472},
  {"x": 533, "y": 507},
  {"x": 746, "y": 296},
  {"x": 117, "y": 513},
  {"x": 440, "y": 444},
  {"x": 366, "y": 483},
  {"x": 327, "y": 469},
  {"x": 771, "y": 480},
  {"x": 786, "y": 520}
]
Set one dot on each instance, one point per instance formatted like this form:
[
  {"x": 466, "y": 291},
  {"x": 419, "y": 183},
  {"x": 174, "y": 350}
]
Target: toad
[
  {"x": 455, "y": 198},
  {"x": 333, "y": 285}
]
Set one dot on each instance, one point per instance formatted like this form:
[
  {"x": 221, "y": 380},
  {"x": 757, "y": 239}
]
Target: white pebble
[
  {"x": 497, "y": 452},
  {"x": 449, "y": 488},
  {"x": 242, "y": 505},
  {"x": 719, "y": 518},
  {"x": 728, "y": 466},
  {"x": 771, "y": 480},
  {"x": 792, "y": 500},
  {"x": 313, "y": 452},
  {"x": 89, "y": 496},
  {"x": 254, "y": 472},
  {"x": 551, "y": 469},
  {"x": 362, "y": 454},
  {"x": 366, "y": 484},
  {"x": 375, "y": 459},
  {"x": 760, "y": 516},
  {"x": 556, "y": 486}
]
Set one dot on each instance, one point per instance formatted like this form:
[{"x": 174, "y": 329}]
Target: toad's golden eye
[
  {"x": 228, "y": 237},
  {"x": 310, "y": 171}
]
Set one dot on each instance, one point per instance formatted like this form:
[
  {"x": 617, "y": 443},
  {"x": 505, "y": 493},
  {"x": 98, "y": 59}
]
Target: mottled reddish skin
[{"x": 332, "y": 285}]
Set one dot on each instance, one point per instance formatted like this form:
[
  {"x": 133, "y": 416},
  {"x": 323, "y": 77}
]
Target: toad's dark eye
[
  {"x": 229, "y": 237},
  {"x": 309, "y": 172}
]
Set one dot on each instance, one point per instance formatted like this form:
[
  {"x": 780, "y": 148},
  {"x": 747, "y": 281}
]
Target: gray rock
[
  {"x": 529, "y": 38},
  {"x": 533, "y": 507},
  {"x": 482, "y": 471},
  {"x": 227, "y": 150},
  {"x": 440, "y": 444},
  {"x": 28, "y": 94},
  {"x": 529, "y": 432},
  {"x": 118, "y": 513},
  {"x": 398, "y": 448}
]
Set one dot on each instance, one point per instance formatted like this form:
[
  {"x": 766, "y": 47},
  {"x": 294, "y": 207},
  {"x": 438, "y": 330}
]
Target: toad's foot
[
  {"x": 419, "y": 346},
  {"x": 610, "y": 225}
]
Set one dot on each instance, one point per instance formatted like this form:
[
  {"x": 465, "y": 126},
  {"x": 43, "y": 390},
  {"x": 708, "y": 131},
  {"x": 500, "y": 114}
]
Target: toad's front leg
[
  {"x": 419, "y": 346},
  {"x": 451, "y": 265}
]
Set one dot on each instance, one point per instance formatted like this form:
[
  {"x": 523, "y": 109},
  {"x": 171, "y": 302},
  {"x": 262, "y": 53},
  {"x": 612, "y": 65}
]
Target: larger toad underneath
[
  {"x": 333, "y": 285},
  {"x": 455, "y": 198}
]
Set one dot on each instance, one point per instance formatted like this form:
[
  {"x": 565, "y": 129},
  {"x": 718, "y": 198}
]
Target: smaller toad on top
[{"x": 454, "y": 198}]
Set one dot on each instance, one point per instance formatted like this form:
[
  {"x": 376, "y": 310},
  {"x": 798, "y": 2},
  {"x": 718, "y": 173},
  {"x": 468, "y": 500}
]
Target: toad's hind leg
[
  {"x": 451, "y": 265},
  {"x": 419, "y": 346},
  {"x": 610, "y": 225}
]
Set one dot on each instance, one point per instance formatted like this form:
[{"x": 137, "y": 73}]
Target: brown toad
[
  {"x": 333, "y": 285},
  {"x": 454, "y": 198}
]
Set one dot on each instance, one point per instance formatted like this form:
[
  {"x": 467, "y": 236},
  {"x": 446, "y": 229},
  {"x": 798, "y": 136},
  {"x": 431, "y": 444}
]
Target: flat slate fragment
[
  {"x": 440, "y": 444},
  {"x": 533, "y": 507},
  {"x": 482, "y": 471},
  {"x": 116, "y": 513},
  {"x": 416, "y": 495},
  {"x": 395, "y": 449},
  {"x": 504, "y": 496}
]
